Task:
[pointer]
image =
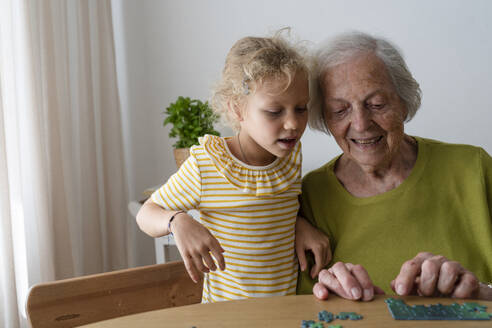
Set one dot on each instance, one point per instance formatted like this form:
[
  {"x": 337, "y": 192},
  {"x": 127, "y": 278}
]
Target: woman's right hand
[
  {"x": 346, "y": 280},
  {"x": 196, "y": 245}
]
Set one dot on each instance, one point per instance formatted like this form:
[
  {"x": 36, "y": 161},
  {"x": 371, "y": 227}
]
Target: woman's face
[{"x": 363, "y": 111}]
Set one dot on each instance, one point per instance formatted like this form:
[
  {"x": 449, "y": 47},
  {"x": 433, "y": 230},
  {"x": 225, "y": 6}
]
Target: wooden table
[{"x": 285, "y": 311}]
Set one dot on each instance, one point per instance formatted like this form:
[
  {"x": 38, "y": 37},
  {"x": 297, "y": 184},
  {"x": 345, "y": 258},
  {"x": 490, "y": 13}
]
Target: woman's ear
[{"x": 405, "y": 113}]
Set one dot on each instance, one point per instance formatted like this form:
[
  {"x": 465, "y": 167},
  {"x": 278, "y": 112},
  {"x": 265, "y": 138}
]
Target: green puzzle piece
[{"x": 468, "y": 311}]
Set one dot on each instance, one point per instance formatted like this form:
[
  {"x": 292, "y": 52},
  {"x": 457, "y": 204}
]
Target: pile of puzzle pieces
[
  {"x": 468, "y": 311},
  {"x": 401, "y": 311},
  {"x": 329, "y": 317}
]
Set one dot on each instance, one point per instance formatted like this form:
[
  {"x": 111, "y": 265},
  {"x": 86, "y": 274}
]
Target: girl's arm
[
  {"x": 153, "y": 219},
  {"x": 308, "y": 238},
  {"x": 195, "y": 242}
]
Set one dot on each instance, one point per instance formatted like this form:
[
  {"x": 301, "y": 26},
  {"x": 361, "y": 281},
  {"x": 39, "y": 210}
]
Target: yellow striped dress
[{"x": 251, "y": 210}]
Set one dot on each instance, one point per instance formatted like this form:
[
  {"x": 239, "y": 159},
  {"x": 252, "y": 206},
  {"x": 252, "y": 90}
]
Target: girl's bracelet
[{"x": 171, "y": 220}]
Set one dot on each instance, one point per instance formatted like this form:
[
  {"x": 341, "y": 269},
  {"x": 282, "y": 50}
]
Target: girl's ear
[{"x": 235, "y": 109}]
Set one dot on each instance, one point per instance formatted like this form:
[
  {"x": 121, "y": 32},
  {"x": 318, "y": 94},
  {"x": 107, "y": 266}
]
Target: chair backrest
[{"x": 82, "y": 300}]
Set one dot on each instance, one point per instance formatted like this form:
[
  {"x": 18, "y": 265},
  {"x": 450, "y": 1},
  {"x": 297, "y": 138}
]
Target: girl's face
[{"x": 272, "y": 121}]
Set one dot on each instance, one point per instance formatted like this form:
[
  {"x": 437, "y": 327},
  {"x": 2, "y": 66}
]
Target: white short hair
[{"x": 348, "y": 45}]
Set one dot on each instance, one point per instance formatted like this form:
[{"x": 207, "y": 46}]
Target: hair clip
[{"x": 246, "y": 86}]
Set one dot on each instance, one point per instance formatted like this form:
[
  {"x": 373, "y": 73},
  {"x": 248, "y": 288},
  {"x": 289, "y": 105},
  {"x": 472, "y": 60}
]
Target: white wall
[{"x": 170, "y": 48}]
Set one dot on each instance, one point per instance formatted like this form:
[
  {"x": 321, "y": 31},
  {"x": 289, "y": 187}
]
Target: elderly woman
[{"x": 389, "y": 195}]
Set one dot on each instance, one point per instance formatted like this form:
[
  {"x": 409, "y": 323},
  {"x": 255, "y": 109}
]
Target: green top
[{"x": 443, "y": 207}]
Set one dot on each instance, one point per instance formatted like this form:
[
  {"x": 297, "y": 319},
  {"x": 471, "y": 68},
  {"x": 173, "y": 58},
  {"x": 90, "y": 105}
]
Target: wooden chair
[{"x": 82, "y": 300}]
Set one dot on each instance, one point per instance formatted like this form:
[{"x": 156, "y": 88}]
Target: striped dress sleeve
[{"x": 183, "y": 189}]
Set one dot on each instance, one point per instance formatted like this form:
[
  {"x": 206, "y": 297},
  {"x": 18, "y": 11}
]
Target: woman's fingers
[
  {"x": 404, "y": 282},
  {"x": 434, "y": 275},
  {"x": 448, "y": 276},
  {"x": 348, "y": 281},
  {"x": 320, "y": 291},
  {"x": 429, "y": 276},
  {"x": 365, "y": 282},
  {"x": 467, "y": 286},
  {"x": 331, "y": 282},
  {"x": 484, "y": 292}
]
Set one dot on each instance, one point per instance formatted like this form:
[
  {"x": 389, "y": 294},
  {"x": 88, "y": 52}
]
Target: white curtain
[{"x": 62, "y": 176}]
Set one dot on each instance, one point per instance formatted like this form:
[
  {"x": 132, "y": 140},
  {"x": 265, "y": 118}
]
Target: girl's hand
[
  {"x": 196, "y": 245},
  {"x": 310, "y": 238},
  {"x": 346, "y": 280}
]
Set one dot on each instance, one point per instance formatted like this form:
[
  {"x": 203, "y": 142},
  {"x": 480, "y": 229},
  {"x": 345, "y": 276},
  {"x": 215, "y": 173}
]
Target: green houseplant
[{"x": 190, "y": 119}]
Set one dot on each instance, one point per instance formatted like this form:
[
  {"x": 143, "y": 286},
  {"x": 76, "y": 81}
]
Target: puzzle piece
[
  {"x": 329, "y": 317},
  {"x": 307, "y": 323},
  {"x": 311, "y": 324},
  {"x": 325, "y": 316},
  {"x": 349, "y": 315},
  {"x": 317, "y": 325},
  {"x": 468, "y": 311}
]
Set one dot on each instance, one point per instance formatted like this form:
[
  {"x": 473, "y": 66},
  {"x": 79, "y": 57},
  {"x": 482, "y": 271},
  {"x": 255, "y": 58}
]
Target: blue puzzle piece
[
  {"x": 329, "y": 317},
  {"x": 311, "y": 324},
  {"x": 325, "y": 316},
  {"x": 306, "y": 323},
  {"x": 348, "y": 315},
  {"x": 468, "y": 311}
]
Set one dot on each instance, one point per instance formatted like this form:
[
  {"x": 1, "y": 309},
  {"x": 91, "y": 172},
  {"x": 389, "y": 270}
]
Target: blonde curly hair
[{"x": 250, "y": 61}]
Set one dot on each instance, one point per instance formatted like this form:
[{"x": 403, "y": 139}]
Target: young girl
[{"x": 246, "y": 187}]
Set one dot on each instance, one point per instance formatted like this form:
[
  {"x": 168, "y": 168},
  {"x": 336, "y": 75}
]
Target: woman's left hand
[
  {"x": 434, "y": 275},
  {"x": 310, "y": 238}
]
